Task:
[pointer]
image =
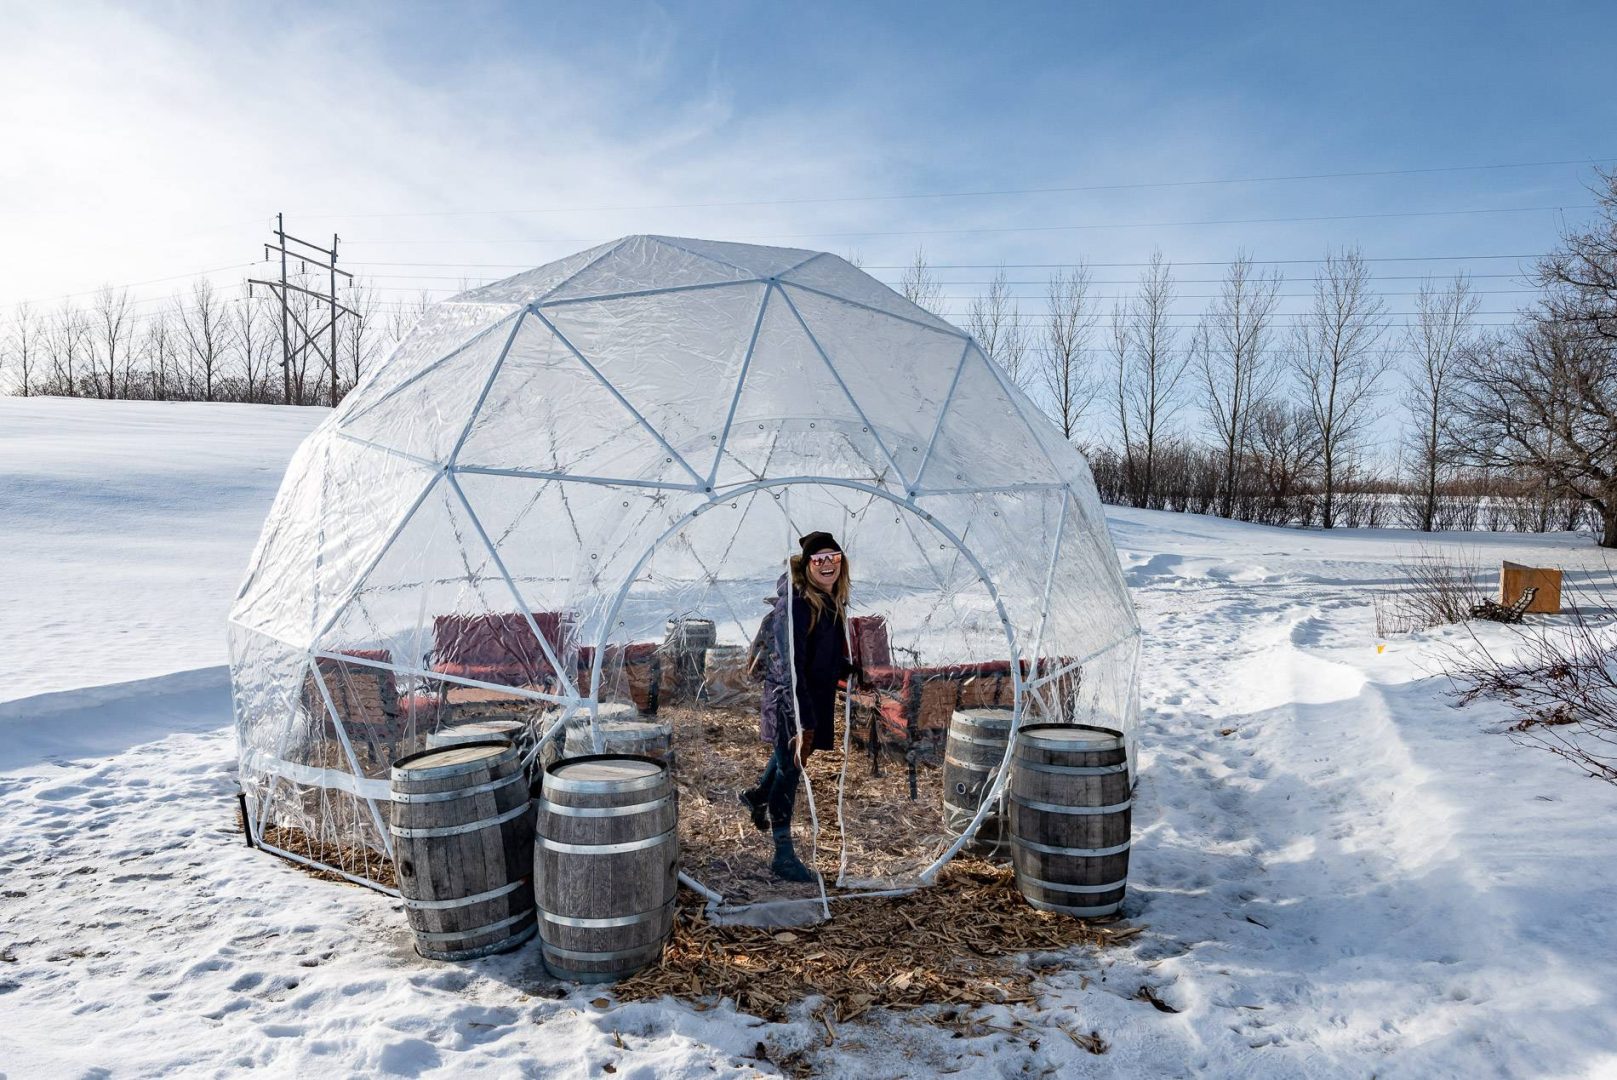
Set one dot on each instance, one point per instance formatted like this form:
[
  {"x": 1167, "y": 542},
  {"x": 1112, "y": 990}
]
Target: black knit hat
[{"x": 817, "y": 541}]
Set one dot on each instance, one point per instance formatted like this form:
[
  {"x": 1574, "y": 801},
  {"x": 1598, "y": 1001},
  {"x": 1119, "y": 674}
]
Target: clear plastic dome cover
[{"x": 566, "y": 499}]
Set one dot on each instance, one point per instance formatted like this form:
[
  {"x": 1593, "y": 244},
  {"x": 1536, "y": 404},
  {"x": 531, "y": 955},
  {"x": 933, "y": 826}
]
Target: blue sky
[{"x": 152, "y": 141}]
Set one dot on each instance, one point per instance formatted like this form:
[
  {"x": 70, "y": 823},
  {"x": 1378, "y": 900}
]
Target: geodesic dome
[{"x": 526, "y": 506}]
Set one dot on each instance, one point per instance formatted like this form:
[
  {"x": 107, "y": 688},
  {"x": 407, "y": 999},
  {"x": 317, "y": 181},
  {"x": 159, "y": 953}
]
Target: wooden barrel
[
  {"x": 972, "y": 756},
  {"x": 607, "y": 862},
  {"x": 462, "y": 827},
  {"x": 1070, "y": 818},
  {"x": 635, "y": 738},
  {"x": 725, "y": 681},
  {"x": 511, "y": 731},
  {"x": 684, "y": 647}
]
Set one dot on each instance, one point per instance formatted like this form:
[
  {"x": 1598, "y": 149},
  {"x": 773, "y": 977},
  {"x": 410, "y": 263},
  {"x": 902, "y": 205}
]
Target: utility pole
[{"x": 307, "y": 340}]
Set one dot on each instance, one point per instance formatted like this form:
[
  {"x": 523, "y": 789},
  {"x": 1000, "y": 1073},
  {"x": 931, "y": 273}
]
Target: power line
[
  {"x": 1033, "y": 266},
  {"x": 1001, "y": 229},
  {"x": 981, "y": 193}
]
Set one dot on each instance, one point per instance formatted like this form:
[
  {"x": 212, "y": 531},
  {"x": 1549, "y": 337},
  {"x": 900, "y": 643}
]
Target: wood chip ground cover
[{"x": 960, "y": 942}]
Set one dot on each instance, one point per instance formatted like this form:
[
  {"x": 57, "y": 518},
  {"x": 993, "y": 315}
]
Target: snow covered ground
[{"x": 1342, "y": 874}]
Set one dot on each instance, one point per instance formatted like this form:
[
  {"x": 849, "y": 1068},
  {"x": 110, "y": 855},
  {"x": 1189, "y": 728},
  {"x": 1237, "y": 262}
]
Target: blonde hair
[{"x": 818, "y": 602}]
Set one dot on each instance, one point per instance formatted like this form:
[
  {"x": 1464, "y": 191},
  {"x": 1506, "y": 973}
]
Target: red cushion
[
  {"x": 501, "y": 640},
  {"x": 871, "y": 645}
]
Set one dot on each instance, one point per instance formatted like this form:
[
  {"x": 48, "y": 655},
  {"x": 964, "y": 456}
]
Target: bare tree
[
  {"x": 359, "y": 345},
  {"x": 1231, "y": 350},
  {"x": 1580, "y": 276},
  {"x": 161, "y": 348},
  {"x": 1069, "y": 322},
  {"x": 1286, "y": 449},
  {"x": 256, "y": 344},
  {"x": 1337, "y": 357},
  {"x": 1150, "y": 366},
  {"x": 202, "y": 324},
  {"x": 68, "y": 344},
  {"x": 995, "y": 320},
  {"x": 23, "y": 345},
  {"x": 1442, "y": 327},
  {"x": 919, "y": 286},
  {"x": 1542, "y": 398},
  {"x": 113, "y": 330}
]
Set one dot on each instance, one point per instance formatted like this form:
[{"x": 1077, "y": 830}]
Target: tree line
[
  {"x": 1249, "y": 415},
  {"x": 199, "y": 345}
]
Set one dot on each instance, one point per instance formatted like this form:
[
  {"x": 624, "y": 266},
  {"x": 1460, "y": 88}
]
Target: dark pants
[{"x": 778, "y": 784}]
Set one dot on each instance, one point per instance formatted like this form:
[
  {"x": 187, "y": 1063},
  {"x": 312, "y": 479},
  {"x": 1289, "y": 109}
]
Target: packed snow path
[{"x": 1342, "y": 874}]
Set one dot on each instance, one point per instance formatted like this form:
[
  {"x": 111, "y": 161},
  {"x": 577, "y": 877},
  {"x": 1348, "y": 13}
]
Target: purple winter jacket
[{"x": 821, "y": 652}]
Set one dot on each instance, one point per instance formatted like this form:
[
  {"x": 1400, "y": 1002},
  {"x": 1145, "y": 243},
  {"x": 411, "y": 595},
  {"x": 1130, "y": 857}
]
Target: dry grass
[
  {"x": 1560, "y": 677},
  {"x": 1439, "y": 589},
  {"x": 956, "y": 943}
]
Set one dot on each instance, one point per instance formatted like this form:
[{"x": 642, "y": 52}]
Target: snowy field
[{"x": 1341, "y": 874}]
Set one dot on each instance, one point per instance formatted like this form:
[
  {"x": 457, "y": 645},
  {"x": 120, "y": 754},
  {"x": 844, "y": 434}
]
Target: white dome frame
[{"x": 278, "y": 587}]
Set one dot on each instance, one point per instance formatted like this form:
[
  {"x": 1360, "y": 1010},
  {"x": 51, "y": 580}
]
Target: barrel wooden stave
[
  {"x": 603, "y": 913},
  {"x": 974, "y": 750},
  {"x": 1050, "y": 790},
  {"x": 438, "y": 873}
]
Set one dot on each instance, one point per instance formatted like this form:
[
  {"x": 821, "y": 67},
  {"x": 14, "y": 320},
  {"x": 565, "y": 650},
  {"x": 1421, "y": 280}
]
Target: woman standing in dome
[{"x": 807, "y": 624}]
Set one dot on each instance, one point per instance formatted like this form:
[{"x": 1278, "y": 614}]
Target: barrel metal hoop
[
  {"x": 1070, "y": 770},
  {"x": 1062, "y": 886},
  {"x": 1047, "y": 849},
  {"x": 552, "y": 782},
  {"x": 606, "y": 923},
  {"x": 974, "y": 766},
  {"x": 1002, "y": 742},
  {"x": 1080, "y": 912},
  {"x": 503, "y": 945},
  {"x": 607, "y": 849},
  {"x": 598, "y": 957},
  {"x": 471, "y": 826},
  {"x": 446, "y": 796},
  {"x": 476, "y": 931},
  {"x": 464, "y": 901},
  {"x": 508, "y": 753},
  {"x": 1057, "y": 808},
  {"x": 548, "y": 807}
]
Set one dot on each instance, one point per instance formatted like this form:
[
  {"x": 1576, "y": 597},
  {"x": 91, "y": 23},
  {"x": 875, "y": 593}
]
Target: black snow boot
[
  {"x": 786, "y": 865},
  {"x": 758, "y": 806}
]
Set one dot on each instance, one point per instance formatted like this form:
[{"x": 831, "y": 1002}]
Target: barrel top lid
[
  {"x": 455, "y": 755},
  {"x": 999, "y": 717},
  {"x": 606, "y": 769},
  {"x": 478, "y": 727},
  {"x": 1072, "y": 736},
  {"x": 650, "y": 727}
]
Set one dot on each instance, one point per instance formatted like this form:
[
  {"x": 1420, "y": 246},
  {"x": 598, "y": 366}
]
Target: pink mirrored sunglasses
[{"x": 825, "y": 557}]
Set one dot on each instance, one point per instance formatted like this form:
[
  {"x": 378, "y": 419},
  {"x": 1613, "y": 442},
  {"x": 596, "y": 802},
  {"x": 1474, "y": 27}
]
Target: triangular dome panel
[
  {"x": 829, "y": 274},
  {"x": 903, "y": 400},
  {"x": 794, "y": 415},
  {"x": 546, "y": 411},
  {"x": 674, "y": 356},
  {"x": 445, "y": 332},
  {"x": 644, "y": 263},
  {"x": 426, "y": 414},
  {"x": 984, "y": 440},
  {"x": 534, "y": 285},
  {"x": 753, "y": 259}
]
